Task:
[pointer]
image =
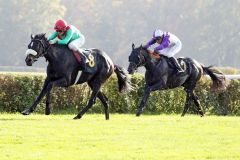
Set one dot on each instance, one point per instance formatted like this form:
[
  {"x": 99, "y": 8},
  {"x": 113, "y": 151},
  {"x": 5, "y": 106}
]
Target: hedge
[{"x": 18, "y": 91}]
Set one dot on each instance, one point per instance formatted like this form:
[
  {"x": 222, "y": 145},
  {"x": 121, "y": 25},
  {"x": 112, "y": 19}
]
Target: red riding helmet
[{"x": 60, "y": 25}]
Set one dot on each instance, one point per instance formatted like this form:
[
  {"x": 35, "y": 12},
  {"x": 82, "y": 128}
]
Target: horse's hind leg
[
  {"x": 104, "y": 101},
  {"x": 95, "y": 86},
  {"x": 197, "y": 103},
  {"x": 187, "y": 103}
]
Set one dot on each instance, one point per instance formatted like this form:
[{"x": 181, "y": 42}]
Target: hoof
[
  {"x": 107, "y": 117},
  {"x": 47, "y": 112},
  {"x": 138, "y": 114},
  {"x": 201, "y": 113},
  {"x": 26, "y": 112},
  {"x": 77, "y": 117}
]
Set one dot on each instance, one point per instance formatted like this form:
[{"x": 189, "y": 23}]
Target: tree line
[{"x": 209, "y": 30}]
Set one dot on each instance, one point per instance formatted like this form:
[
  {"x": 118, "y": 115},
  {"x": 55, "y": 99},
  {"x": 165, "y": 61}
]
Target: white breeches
[
  {"x": 172, "y": 49},
  {"x": 76, "y": 44}
]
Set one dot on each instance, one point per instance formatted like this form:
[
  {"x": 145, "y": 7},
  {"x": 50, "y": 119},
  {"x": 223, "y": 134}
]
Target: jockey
[
  {"x": 168, "y": 46},
  {"x": 68, "y": 35}
]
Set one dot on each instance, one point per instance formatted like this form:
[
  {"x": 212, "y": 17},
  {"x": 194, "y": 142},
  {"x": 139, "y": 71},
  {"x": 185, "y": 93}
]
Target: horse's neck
[
  {"x": 50, "y": 56},
  {"x": 149, "y": 64},
  {"x": 56, "y": 54},
  {"x": 160, "y": 66}
]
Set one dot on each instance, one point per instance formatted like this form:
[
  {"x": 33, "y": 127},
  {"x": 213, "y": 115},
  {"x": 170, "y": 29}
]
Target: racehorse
[
  {"x": 64, "y": 70},
  {"x": 160, "y": 75}
]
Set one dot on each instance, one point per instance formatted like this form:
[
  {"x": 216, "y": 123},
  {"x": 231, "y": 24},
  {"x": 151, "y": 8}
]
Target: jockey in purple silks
[{"x": 168, "y": 46}]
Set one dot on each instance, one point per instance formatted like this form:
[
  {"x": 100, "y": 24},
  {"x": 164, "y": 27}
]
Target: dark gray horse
[
  {"x": 63, "y": 71},
  {"x": 160, "y": 74}
]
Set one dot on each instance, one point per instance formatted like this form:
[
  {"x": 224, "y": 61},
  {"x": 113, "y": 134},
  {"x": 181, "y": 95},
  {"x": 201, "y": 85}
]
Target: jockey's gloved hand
[
  {"x": 52, "y": 41},
  {"x": 155, "y": 51}
]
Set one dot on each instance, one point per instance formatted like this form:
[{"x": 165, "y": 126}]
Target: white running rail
[{"x": 236, "y": 76}]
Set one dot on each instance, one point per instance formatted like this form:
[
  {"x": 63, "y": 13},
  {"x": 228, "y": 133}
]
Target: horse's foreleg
[
  {"x": 95, "y": 90},
  {"x": 46, "y": 88},
  {"x": 57, "y": 83},
  {"x": 42, "y": 93},
  {"x": 48, "y": 98},
  {"x": 104, "y": 101},
  {"x": 146, "y": 94},
  {"x": 187, "y": 103}
]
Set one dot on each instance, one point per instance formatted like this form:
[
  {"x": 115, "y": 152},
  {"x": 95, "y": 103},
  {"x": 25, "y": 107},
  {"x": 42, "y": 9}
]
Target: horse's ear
[
  {"x": 141, "y": 46},
  {"x": 43, "y": 34},
  {"x": 32, "y": 36},
  {"x": 133, "y": 46}
]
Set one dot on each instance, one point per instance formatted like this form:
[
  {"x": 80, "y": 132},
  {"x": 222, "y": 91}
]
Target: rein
[
  {"x": 155, "y": 55},
  {"x": 152, "y": 54}
]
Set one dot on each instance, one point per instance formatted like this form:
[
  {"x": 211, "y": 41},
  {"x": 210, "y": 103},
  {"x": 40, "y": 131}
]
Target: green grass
[{"x": 159, "y": 137}]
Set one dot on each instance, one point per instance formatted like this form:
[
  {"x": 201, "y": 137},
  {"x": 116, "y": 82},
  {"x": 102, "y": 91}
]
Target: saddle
[
  {"x": 157, "y": 58},
  {"x": 181, "y": 62},
  {"x": 89, "y": 66}
]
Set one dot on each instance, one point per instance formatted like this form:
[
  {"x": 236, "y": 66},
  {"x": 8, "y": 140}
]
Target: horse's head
[
  {"x": 36, "y": 48},
  {"x": 136, "y": 59}
]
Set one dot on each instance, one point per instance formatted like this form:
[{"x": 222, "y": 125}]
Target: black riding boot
[
  {"x": 177, "y": 65},
  {"x": 84, "y": 59}
]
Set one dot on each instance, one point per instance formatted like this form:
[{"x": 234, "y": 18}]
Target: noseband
[
  {"x": 141, "y": 61},
  {"x": 45, "y": 49}
]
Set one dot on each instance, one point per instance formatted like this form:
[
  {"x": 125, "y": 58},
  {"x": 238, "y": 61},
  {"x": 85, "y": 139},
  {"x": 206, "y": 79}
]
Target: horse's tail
[
  {"x": 124, "y": 81},
  {"x": 220, "y": 82}
]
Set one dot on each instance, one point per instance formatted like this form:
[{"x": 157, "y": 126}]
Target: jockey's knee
[{"x": 72, "y": 47}]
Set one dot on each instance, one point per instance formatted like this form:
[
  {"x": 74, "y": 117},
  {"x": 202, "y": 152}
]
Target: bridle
[
  {"x": 45, "y": 49},
  {"x": 141, "y": 61}
]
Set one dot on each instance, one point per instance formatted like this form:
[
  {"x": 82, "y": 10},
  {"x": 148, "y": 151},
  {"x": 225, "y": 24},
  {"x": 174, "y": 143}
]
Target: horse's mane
[
  {"x": 143, "y": 48},
  {"x": 41, "y": 36},
  {"x": 151, "y": 54}
]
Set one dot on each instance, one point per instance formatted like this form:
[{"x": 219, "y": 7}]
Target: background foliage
[
  {"x": 209, "y": 30},
  {"x": 18, "y": 91}
]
